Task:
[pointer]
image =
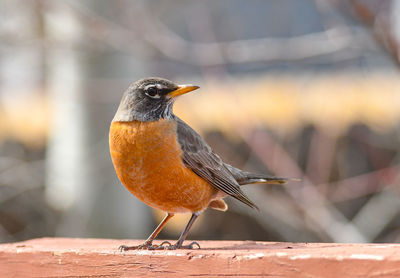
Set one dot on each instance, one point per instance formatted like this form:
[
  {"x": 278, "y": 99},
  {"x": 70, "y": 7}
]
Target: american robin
[{"x": 166, "y": 164}]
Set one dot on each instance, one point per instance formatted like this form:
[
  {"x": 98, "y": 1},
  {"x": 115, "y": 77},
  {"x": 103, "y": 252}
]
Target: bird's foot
[
  {"x": 176, "y": 246},
  {"x": 147, "y": 246},
  {"x": 165, "y": 245}
]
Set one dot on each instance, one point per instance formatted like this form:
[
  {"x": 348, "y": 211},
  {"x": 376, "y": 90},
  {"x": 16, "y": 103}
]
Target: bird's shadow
[{"x": 251, "y": 245}]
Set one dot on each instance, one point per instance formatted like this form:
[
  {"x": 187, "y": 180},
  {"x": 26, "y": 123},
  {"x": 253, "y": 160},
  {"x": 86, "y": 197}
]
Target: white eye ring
[{"x": 152, "y": 91}]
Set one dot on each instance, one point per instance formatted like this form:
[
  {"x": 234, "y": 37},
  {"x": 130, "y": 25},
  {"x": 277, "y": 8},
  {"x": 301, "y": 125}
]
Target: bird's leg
[
  {"x": 148, "y": 244},
  {"x": 179, "y": 243}
]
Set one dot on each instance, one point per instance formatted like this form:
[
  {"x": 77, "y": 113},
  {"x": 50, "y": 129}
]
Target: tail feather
[
  {"x": 243, "y": 177},
  {"x": 267, "y": 180},
  {"x": 250, "y": 178}
]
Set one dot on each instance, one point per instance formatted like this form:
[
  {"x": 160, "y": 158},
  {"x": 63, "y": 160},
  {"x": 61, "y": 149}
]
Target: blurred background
[{"x": 297, "y": 88}]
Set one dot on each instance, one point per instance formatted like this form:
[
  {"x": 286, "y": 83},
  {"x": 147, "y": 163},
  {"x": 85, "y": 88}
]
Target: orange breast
[{"x": 148, "y": 161}]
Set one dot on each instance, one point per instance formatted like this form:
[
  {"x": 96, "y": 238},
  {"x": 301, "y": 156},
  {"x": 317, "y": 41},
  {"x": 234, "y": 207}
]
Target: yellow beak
[{"x": 182, "y": 89}]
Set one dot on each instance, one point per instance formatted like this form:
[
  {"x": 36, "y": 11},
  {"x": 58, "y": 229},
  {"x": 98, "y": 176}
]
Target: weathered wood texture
[{"x": 65, "y": 257}]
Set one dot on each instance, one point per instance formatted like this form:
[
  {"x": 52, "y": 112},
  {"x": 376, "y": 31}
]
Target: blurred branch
[
  {"x": 337, "y": 43},
  {"x": 315, "y": 206},
  {"x": 279, "y": 214},
  {"x": 320, "y": 158},
  {"x": 362, "y": 185},
  {"x": 342, "y": 45},
  {"x": 377, "y": 21},
  {"x": 21, "y": 175},
  {"x": 378, "y": 212}
]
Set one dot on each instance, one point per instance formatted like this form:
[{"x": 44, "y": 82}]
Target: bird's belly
[{"x": 148, "y": 161}]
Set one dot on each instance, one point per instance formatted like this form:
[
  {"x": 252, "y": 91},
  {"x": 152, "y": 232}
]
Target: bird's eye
[{"x": 152, "y": 92}]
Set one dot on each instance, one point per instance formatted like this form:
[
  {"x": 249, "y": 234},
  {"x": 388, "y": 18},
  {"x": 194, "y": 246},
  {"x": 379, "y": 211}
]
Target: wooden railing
[{"x": 66, "y": 257}]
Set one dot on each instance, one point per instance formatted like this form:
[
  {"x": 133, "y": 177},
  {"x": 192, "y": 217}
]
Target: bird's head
[{"x": 150, "y": 99}]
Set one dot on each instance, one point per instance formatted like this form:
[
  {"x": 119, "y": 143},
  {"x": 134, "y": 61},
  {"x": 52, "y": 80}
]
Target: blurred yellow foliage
[
  {"x": 285, "y": 104},
  {"x": 282, "y": 103},
  {"x": 24, "y": 117}
]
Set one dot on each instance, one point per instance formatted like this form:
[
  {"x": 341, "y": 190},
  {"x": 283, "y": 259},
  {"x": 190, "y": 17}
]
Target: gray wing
[{"x": 201, "y": 159}]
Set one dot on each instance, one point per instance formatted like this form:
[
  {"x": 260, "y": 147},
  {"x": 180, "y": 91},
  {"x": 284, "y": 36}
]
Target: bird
[{"x": 166, "y": 164}]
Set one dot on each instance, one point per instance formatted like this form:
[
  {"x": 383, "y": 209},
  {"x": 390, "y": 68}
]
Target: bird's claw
[
  {"x": 145, "y": 246},
  {"x": 125, "y": 248},
  {"x": 189, "y": 246},
  {"x": 165, "y": 245}
]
